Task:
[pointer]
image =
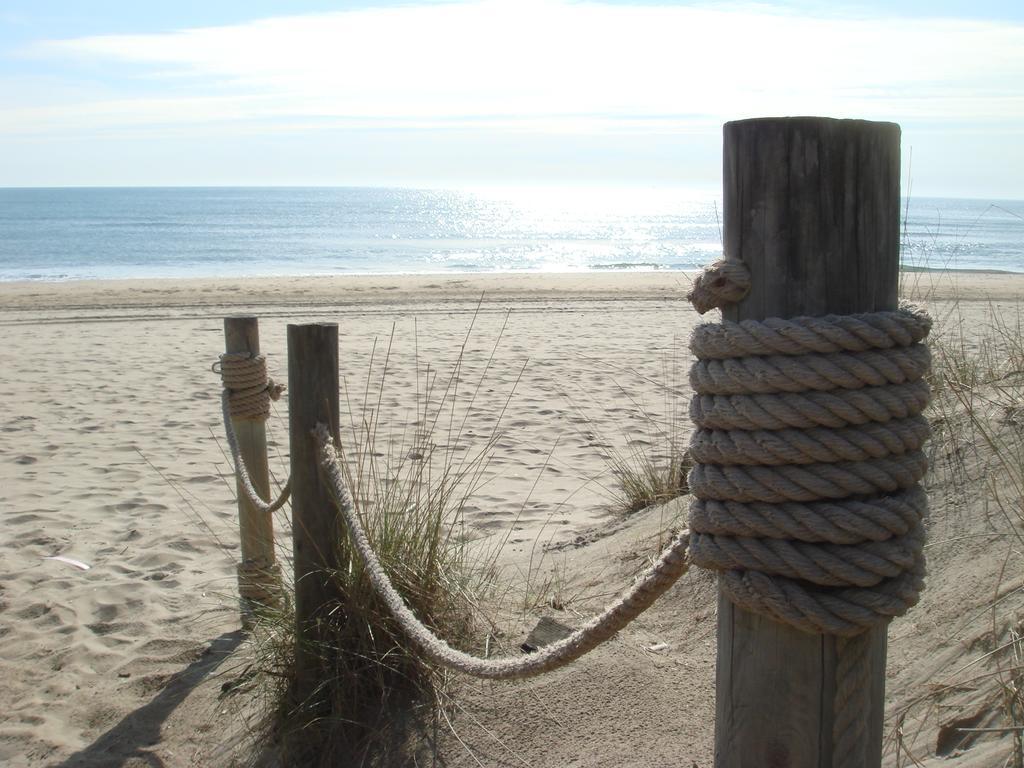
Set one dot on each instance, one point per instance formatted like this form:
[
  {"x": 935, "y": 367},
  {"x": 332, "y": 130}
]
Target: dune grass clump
[
  {"x": 653, "y": 470},
  {"x": 977, "y": 462},
  {"x": 375, "y": 687},
  {"x": 984, "y": 379},
  {"x": 373, "y": 679},
  {"x": 645, "y": 482},
  {"x": 410, "y": 484}
]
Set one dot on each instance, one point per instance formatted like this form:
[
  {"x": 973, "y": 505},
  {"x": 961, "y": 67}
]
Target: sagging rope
[
  {"x": 672, "y": 564},
  {"x": 247, "y": 394}
]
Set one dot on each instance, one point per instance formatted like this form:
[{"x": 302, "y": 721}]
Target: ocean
[{"x": 90, "y": 233}]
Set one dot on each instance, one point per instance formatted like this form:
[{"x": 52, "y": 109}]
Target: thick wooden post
[
  {"x": 312, "y": 399},
  {"x": 256, "y": 529},
  {"x": 811, "y": 205}
]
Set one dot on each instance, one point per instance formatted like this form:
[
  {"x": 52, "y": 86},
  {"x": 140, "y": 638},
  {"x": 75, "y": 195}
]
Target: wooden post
[
  {"x": 256, "y": 529},
  {"x": 312, "y": 399},
  {"x": 811, "y": 205}
]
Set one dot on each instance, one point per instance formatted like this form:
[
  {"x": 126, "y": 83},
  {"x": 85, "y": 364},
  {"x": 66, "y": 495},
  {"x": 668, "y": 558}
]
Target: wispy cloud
[{"x": 545, "y": 65}]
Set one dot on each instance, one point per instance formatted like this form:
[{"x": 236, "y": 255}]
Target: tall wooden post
[
  {"x": 811, "y": 205},
  {"x": 256, "y": 529},
  {"x": 312, "y": 399}
]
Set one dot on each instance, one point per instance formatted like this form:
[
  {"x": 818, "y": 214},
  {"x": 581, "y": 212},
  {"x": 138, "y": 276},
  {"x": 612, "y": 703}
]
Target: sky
[{"x": 494, "y": 92}]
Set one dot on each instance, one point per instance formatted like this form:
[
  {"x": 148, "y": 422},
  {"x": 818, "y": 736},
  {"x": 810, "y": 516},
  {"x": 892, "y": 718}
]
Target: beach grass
[
  {"x": 410, "y": 485},
  {"x": 649, "y": 469},
  {"x": 977, "y": 493},
  {"x": 409, "y": 489}
]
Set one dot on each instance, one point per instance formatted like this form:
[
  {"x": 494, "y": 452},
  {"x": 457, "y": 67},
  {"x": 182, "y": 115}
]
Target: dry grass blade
[
  {"x": 653, "y": 468},
  {"x": 409, "y": 488},
  {"x": 977, "y": 457}
]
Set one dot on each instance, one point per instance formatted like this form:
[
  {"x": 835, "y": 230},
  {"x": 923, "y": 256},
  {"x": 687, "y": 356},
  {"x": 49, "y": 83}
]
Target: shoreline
[
  {"x": 74, "y": 299},
  {"x": 625, "y": 269}
]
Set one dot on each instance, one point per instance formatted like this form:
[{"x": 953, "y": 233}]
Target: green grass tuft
[
  {"x": 644, "y": 482},
  {"x": 375, "y": 687}
]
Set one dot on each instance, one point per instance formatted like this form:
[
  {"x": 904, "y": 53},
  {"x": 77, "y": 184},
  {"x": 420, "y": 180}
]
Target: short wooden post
[
  {"x": 256, "y": 529},
  {"x": 312, "y": 399},
  {"x": 811, "y": 205}
]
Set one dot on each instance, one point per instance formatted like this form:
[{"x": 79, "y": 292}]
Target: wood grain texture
[
  {"x": 312, "y": 399},
  {"x": 256, "y": 529},
  {"x": 811, "y": 205}
]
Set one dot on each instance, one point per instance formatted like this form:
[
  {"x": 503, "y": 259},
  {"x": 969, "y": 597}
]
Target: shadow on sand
[{"x": 126, "y": 744}]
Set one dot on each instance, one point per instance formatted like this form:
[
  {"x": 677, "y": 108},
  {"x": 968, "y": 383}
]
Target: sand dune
[{"x": 112, "y": 454}]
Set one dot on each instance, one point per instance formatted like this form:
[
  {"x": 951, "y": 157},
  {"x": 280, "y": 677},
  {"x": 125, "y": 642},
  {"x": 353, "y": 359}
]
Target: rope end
[
  {"x": 275, "y": 390},
  {"x": 726, "y": 281}
]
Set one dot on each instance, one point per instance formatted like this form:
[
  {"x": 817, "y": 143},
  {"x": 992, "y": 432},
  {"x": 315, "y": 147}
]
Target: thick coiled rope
[
  {"x": 764, "y": 447},
  {"x": 247, "y": 394},
  {"x": 772, "y": 374},
  {"x": 804, "y": 335},
  {"x": 249, "y": 389},
  {"x": 807, "y": 461},
  {"x": 672, "y": 564},
  {"x": 802, "y": 410}
]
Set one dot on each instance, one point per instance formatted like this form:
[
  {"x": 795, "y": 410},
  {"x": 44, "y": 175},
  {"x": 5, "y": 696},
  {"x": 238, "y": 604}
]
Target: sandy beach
[{"x": 112, "y": 454}]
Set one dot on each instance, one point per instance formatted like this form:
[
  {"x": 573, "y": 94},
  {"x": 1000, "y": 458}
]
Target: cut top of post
[
  {"x": 242, "y": 334},
  {"x": 812, "y": 208}
]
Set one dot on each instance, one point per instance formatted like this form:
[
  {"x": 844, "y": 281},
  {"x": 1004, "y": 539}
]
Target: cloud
[{"x": 539, "y": 65}]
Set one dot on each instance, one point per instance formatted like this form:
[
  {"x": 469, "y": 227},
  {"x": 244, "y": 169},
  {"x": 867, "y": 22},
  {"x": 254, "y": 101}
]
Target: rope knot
[
  {"x": 249, "y": 388},
  {"x": 726, "y": 281},
  {"x": 275, "y": 390}
]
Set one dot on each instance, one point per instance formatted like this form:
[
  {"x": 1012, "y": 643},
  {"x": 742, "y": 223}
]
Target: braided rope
[
  {"x": 809, "y": 446},
  {"x": 247, "y": 394},
  {"x": 242, "y": 471},
  {"x": 845, "y": 611},
  {"x": 807, "y": 461},
  {"x": 250, "y": 390},
  {"x": 807, "y": 482},
  {"x": 838, "y": 370},
  {"x": 802, "y": 410},
  {"x": 863, "y": 564},
  {"x": 803, "y": 335},
  {"x": 671, "y": 564},
  {"x": 848, "y": 521}
]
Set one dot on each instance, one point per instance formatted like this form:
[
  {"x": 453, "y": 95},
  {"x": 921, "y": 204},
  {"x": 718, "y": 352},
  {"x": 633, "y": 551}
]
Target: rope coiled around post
[
  {"x": 249, "y": 388},
  {"x": 671, "y": 564},
  {"x": 808, "y": 454},
  {"x": 247, "y": 394}
]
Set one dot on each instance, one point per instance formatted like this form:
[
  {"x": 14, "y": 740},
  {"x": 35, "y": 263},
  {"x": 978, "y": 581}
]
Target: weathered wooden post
[
  {"x": 313, "y": 399},
  {"x": 812, "y": 208},
  {"x": 257, "y": 572}
]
